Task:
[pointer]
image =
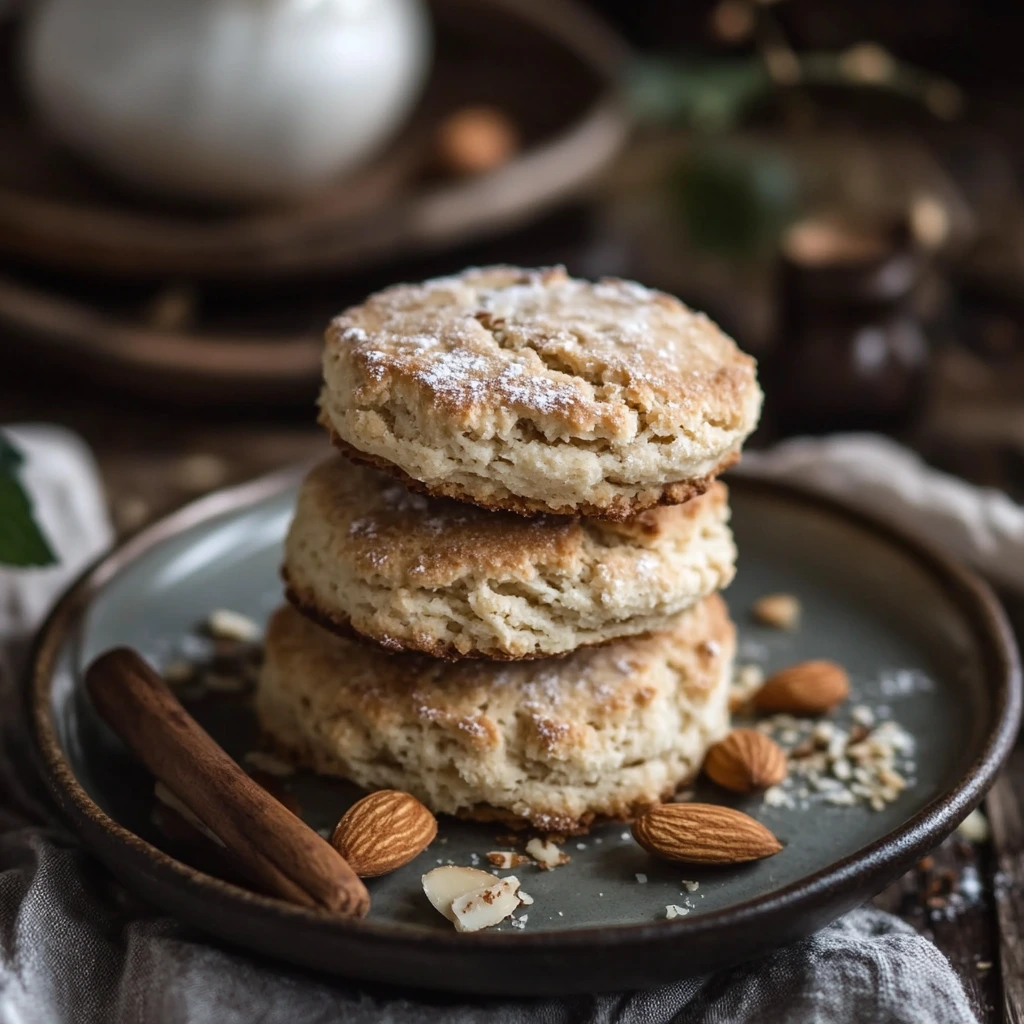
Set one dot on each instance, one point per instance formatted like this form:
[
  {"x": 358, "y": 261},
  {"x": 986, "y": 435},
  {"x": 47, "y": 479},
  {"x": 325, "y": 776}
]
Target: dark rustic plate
[{"x": 925, "y": 642}]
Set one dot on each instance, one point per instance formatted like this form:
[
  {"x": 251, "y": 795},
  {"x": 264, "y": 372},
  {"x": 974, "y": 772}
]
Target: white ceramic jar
[{"x": 225, "y": 100}]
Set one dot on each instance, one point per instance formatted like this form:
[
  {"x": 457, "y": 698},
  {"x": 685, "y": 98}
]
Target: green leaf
[
  {"x": 708, "y": 95},
  {"x": 22, "y": 543},
  {"x": 731, "y": 201}
]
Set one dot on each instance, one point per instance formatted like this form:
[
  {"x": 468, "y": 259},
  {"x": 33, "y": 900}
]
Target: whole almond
[
  {"x": 746, "y": 760},
  {"x": 703, "y": 834},
  {"x": 808, "y": 688},
  {"x": 383, "y": 831}
]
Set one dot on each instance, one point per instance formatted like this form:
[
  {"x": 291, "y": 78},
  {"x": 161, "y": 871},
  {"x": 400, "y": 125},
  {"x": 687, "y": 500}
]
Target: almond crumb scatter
[
  {"x": 507, "y": 858},
  {"x": 747, "y": 680},
  {"x": 868, "y": 764},
  {"x": 673, "y": 911},
  {"x": 546, "y": 854},
  {"x": 641, "y": 878}
]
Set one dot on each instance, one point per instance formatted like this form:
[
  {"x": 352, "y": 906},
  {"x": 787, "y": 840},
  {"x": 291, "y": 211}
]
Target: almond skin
[
  {"x": 746, "y": 760},
  {"x": 703, "y": 834},
  {"x": 808, "y": 688},
  {"x": 383, "y": 831}
]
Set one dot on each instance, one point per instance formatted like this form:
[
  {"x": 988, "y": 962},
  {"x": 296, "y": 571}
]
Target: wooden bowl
[{"x": 549, "y": 65}]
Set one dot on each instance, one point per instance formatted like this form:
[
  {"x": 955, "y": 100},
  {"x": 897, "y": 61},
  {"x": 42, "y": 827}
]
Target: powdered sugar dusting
[{"x": 465, "y": 377}]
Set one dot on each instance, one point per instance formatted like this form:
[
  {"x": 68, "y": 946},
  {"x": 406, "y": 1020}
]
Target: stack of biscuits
[{"x": 503, "y": 590}]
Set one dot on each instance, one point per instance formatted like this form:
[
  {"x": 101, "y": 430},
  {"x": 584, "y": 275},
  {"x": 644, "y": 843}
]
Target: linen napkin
[{"x": 76, "y": 947}]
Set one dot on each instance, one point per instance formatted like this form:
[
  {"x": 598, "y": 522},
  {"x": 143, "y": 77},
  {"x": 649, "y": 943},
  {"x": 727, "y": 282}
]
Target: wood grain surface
[{"x": 1006, "y": 812}]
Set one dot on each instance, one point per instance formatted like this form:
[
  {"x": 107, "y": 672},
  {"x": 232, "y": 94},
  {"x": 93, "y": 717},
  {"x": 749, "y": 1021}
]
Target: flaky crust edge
[{"x": 620, "y": 511}]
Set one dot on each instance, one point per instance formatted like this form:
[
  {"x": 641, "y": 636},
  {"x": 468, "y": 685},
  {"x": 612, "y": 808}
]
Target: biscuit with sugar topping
[
  {"x": 449, "y": 579},
  {"x": 557, "y": 744},
  {"x": 534, "y": 392}
]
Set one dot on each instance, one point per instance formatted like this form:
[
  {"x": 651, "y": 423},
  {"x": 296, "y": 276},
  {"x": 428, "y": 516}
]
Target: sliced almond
[
  {"x": 808, "y": 688},
  {"x": 703, "y": 834},
  {"x": 486, "y": 907},
  {"x": 782, "y": 611},
  {"x": 746, "y": 760},
  {"x": 546, "y": 854},
  {"x": 444, "y": 885}
]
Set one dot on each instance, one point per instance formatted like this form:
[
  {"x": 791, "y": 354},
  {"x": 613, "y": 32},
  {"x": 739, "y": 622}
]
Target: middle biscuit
[{"x": 365, "y": 555}]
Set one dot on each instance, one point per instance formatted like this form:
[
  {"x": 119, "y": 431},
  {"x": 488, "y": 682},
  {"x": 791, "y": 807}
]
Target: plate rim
[{"x": 974, "y": 600}]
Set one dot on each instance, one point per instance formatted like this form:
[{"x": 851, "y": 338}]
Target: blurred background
[{"x": 189, "y": 189}]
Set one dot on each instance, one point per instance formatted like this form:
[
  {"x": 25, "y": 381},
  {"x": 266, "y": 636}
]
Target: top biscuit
[{"x": 534, "y": 392}]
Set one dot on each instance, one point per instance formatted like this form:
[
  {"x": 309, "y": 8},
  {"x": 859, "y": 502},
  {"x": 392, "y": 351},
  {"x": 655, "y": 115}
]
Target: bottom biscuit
[{"x": 556, "y": 744}]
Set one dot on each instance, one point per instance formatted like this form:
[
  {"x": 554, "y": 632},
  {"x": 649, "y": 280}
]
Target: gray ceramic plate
[{"x": 925, "y": 642}]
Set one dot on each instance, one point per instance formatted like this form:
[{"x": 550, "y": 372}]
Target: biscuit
[
  {"x": 557, "y": 744},
  {"x": 451, "y": 580},
  {"x": 534, "y": 392}
]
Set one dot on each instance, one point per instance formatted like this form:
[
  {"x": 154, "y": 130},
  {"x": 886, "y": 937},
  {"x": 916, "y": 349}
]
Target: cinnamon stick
[{"x": 285, "y": 854}]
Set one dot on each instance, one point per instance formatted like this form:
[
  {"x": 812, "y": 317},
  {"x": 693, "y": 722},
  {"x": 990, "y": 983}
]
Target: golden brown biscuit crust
[
  {"x": 365, "y": 555},
  {"x": 530, "y": 391},
  {"x": 619, "y": 511},
  {"x": 559, "y": 741}
]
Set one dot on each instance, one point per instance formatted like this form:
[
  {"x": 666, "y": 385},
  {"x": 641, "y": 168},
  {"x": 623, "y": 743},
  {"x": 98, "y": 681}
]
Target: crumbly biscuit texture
[
  {"x": 448, "y": 579},
  {"x": 557, "y": 745},
  {"x": 532, "y": 391}
]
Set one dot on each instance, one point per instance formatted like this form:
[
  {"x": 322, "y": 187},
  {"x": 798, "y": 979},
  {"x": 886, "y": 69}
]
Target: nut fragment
[
  {"x": 748, "y": 680},
  {"x": 474, "y": 140},
  {"x": 178, "y": 672},
  {"x": 224, "y": 624},
  {"x": 703, "y": 834},
  {"x": 746, "y": 760},
  {"x": 383, "y": 831},
  {"x": 444, "y": 885},
  {"x": 546, "y": 854},
  {"x": 506, "y": 858},
  {"x": 974, "y": 828},
  {"x": 486, "y": 907},
  {"x": 807, "y": 688},
  {"x": 779, "y": 610}
]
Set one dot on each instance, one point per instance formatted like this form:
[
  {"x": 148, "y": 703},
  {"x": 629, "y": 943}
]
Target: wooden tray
[{"x": 547, "y": 63}]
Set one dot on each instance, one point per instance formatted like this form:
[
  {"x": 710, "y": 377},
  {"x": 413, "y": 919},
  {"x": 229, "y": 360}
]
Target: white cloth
[
  {"x": 77, "y": 949},
  {"x": 979, "y": 525},
  {"x": 68, "y": 502}
]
